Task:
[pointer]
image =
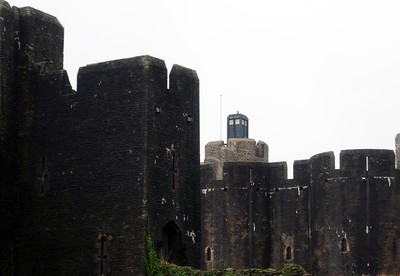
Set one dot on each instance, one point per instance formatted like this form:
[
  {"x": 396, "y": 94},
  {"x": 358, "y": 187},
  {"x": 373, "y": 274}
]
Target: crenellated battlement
[
  {"x": 357, "y": 162},
  {"x": 118, "y": 159},
  {"x": 237, "y": 150},
  {"x": 146, "y": 65},
  {"x": 88, "y": 175},
  {"x": 322, "y": 207}
]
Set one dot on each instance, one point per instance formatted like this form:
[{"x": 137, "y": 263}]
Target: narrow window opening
[
  {"x": 11, "y": 269},
  {"x": 343, "y": 245},
  {"x": 173, "y": 170},
  {"x": 208, "y": 254},
  {"x": 288, "y": 253},
  {"x": 366, "y": 163},
  {"x": 43, "y": 177},
  {"x": 394, "y": 247},
  {"x": 102, "y": 255}
]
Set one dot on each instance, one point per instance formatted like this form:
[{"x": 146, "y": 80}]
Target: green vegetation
[
  {"x": 157, "y": 268},
  {"x": 153, "y": 264},
  {"x": 293, "y": 270}
]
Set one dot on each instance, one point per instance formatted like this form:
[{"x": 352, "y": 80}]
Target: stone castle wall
[
  {"x": 99, "y": 169},
  {"x": 356, "y": 204},
  {"x": 330, "y": 221},
  {"x": 8, "y": 132},
  {"x": 86, "y": 175}
]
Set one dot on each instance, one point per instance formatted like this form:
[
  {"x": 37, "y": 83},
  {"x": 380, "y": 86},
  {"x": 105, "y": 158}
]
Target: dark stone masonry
[{"x": 87, "y": 175}]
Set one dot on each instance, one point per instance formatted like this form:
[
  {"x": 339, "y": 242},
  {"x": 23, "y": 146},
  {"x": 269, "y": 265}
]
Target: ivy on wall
[{"x": 155, "y": 267}]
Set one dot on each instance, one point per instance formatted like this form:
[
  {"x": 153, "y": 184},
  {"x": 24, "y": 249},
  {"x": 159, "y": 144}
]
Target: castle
[
  {"x": 331, "y": 221},
  {"x": 88, "y": 175}
]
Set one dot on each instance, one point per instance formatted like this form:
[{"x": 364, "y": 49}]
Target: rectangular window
[
  {"x": 230, "y": 122},
  {"x": 237, "y": 121}
]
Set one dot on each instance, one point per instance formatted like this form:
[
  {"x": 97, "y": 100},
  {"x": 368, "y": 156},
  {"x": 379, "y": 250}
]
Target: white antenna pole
[{"x": 220, "y": 117}]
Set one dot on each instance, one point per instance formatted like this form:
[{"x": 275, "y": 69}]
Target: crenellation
[
  {"x": 322, "y": 205},
  {"x": 301, "y": 171},
  {"x": 262, "y": 151},
  {"x": 322, "y": 162},
  {"x": 4, "y": 5},
  {"x": 237, "y": 150},
  {"x": 212, "y": 150},
  {"x": 84, "y": 170},
  {"x": 40, "y": 40},
  {"x": 373, "y": 161},
  {"x": 88, "y": 175},
  {"x": 277, "y": 174}
]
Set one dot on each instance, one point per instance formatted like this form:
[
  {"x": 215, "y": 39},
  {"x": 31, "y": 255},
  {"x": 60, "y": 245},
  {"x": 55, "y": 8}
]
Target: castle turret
[
  {"x": 234, "y": 200},
  {"x": 86, "y": 176},
  {"x": 239, "y": 147}
]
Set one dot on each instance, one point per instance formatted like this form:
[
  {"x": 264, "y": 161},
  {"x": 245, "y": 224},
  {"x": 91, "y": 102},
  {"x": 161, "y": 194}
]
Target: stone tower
[
  {"x": 332, "y": 221},
  {"x": 86, "y": 176},
  {"x": 233, "y": 181}
]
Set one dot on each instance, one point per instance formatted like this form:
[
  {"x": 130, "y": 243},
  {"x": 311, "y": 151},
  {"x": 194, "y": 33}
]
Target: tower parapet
[
  {"x": 237, "y": 150},
  {"x": 235, "y": 199},
  {"x": 239, "y": 147}
]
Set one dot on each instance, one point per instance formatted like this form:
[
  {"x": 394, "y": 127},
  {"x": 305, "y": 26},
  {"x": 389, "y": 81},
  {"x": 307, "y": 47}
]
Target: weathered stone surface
[
  {"x": 330, "y": 221},
  {"x": 86, "y": 175}
]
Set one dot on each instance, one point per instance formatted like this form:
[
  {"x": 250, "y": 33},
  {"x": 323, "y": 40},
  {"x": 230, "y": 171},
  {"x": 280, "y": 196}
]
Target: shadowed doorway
[{"x": 172, "y": 250}]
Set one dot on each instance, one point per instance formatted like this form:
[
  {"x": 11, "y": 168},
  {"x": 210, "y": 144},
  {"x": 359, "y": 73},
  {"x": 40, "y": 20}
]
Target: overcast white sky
[{"x": 312, "y": 76}]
